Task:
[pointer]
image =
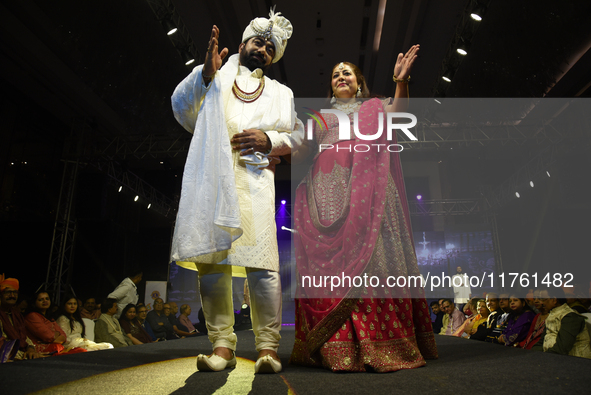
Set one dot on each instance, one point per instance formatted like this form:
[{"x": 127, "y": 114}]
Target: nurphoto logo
[{"x": 345, "y": 129}]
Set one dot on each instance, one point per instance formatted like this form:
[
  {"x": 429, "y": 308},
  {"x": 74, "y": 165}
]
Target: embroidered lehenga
[{"x": 351, "y": 218}]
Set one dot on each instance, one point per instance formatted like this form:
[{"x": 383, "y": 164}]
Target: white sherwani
[
  {"x": 217, "y": 180},
  {"x": 227, "y": 209}
]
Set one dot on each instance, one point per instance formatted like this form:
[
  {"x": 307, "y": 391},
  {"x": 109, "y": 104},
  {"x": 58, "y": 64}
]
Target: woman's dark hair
[
  {"x": 123, "y": 315},
  {"x": 524, "y": 303},
  {"x": 32, "y": 307},
  {"x": 72, "y": 317},
  {"x": 358, "y": 74}
]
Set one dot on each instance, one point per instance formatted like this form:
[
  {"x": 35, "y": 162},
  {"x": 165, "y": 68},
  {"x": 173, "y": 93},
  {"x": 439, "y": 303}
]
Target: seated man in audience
[
  {"x": 142, "y": 312},
  {"x": 178, "y": 328},
  {"x": 456, "y": 317},
  {"x": 159, "y": 322},
  {"x": 90, "y": 310},
  {"x": 504, "y": 303},
  {"x": 108, "y": 329},
  {"x": 438, "y": 323},
  {"x": 445, "y": 319},
  {"x": 12, "y": 323},
  {"x": 565, "y": 331}
]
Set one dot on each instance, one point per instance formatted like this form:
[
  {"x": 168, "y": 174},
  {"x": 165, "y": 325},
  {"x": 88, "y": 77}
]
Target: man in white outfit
[
  {"x": 462, "y": 291},
  {"x": 241, "y": 121},
  {"x": 126, "y": 291}
]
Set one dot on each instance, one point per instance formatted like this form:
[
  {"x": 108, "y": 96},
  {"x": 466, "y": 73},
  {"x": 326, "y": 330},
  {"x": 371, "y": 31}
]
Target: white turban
[{"x": 276, "y": 29}]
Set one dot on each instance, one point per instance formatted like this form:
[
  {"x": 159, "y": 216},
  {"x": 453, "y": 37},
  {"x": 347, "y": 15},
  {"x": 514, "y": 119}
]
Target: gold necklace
[{"x": 247, "y": 97}]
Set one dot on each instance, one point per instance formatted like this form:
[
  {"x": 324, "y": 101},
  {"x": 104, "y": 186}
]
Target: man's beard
[{"x": 251, "y": 61}]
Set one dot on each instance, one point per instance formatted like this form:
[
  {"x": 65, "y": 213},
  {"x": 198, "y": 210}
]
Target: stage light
[
  {"x": 419, "y": 197},
  {"x": 446, "y": 78},
  {"x": 149, "y": 205},
  {"x": 136, "y": 198},
  {"x": 517, "y": 194},
  {"x": 462, "y": 50},
  {"x": 161, "y": 163},
  {"x": 120, "y": 188},
  {"x": 531, "y": 184},
  {"x": 169, "y": 26},
  {"x": 548, "y": 174},
  {"x": 283, "y": 202},
  {"x": 477, "y": 13},
  {"x": 187, "y": 58},
  {"x": 437, "y": 101}
]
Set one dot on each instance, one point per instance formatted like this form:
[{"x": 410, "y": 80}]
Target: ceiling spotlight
[
  {"x": 187, "y": 58},
  {"x": 283, "y": 202},
  {"x": 462, "y": 50},
  {"x": 548, "y": 174},
  {"x": 419, "y": 197},
  {"x": 531, "y": 184},
  {"x": 136, "y": 198},
  {"x": 169, "y": 26},
  {"x": 120, "y": 188},
  {"x": 517, "y": 194},
  {"x": 149, "y": 205},
  {"x": 448, "y": 75},
  {"x": 477, "y": 13}
]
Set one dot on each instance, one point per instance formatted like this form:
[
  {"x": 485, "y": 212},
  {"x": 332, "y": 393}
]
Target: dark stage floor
[{"x": 169, "y": 368}]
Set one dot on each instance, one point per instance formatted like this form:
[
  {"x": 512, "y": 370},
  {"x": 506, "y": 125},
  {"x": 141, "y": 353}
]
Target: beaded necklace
[{"x": 247, "y": 97}]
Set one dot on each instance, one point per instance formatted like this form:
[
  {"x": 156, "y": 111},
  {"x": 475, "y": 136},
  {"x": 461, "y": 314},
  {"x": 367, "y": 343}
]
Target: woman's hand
[{"x": 404, "y": 63}]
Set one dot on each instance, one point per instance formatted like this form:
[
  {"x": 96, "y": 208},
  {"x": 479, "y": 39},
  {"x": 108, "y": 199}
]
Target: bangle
[{"x": 406, "y": 80}]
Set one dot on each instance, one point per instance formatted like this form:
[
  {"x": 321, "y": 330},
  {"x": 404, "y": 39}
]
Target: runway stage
[{"x": 170, "y": 368}]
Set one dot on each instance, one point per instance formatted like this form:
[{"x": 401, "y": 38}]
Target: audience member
[
  {"x": 108, "y": 329},
  {"x": 456, "y": 318},
  {"x": 46, "y": 334},
  {"x": 184, "y": 318},
  {"x": 565, "y": 331},
  {"x": 538, "y": 325},
  {"x": 90, "y": 310},
  {"x": 132, "y": 327},
  {"x": 479, "y": 316},
  {"x": 518, "y": 322},
  {"x": 177, "y": 326},
  {"x": 159, "y": 322},
  {"x": 504, "y": 302},
  {"x": 126, "y": 292},
  {"x": 142, "y": 312},
  {"x": 14, "y": 342},
  {"x": 445, "y": 319},
  {"x": 70, "y": 320},
  {"x": 483, "y": 331},
  {"x": 438, "y": 322}
]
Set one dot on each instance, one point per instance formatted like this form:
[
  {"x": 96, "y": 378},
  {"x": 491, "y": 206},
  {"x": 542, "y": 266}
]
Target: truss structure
[{"x": 444, "y": 207}]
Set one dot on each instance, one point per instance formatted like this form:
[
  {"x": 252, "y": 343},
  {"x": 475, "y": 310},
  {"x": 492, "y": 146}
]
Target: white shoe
[
  {"x": 267, "y": 364},
  {"x": 214, "y": 363}
]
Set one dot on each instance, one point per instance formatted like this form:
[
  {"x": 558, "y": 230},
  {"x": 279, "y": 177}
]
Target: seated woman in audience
[
  {"x": 45, "y": 333},
  {"x": 538, "y": 325},
  {"x": 480, "y": 320},
  {"x": 71, "y": 323},
  {"x": 518, "y": 322},
  {"x": 471, "y": 310},
  {"x": 132, "y": 327}
]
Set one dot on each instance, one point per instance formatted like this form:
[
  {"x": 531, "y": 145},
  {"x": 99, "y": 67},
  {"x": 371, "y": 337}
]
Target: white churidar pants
[{"x": 215, "y": 285}]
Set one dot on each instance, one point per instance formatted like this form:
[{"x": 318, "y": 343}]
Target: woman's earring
[
  {"x": 358, "y": 94},
  {"x": 333, "y": 99}
]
